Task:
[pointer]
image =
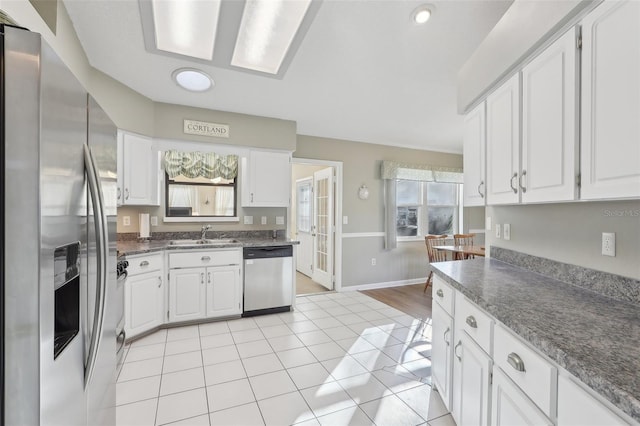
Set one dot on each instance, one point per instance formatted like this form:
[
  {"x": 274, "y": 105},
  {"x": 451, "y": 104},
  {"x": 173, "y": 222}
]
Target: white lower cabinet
[
  {"x": 577, "y": 407},
  {"x": 211, "y": 291},
  {"x": 471, "y": 383},
  {"x": 187, "y": 294},
  {"x": 441, "y": 352},
  {"x": 510, "y": 406},
  {"x": 144, "y": 294},
  {"x": 223, "y": 291}
]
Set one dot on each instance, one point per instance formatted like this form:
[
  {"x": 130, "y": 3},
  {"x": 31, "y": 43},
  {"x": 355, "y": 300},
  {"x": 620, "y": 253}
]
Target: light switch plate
[
  {"x": 609, "y": 244},
  {"x": 154, "y": 220},
  {"x": 279, "y": 220},
  {"x": 497, "y": 230},
  {"x": 487, "y": 224},
  {"x": 345, "y": 220},
  {"x": 263, "y": 220},
  {"x": 506, "y": 231},
  {"x": 248, "y": 220}
]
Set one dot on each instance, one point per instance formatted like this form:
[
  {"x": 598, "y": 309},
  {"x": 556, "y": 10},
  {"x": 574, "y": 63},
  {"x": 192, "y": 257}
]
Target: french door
[
  {"x": 304, "y": 225},
  {"x": 322, "y": 231}
]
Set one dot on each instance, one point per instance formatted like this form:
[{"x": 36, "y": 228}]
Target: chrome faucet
[{"x": 205, "y": 228}]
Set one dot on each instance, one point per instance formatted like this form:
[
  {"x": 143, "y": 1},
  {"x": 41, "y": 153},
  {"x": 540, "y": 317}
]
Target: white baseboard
[{"x": 387, "y": 284}]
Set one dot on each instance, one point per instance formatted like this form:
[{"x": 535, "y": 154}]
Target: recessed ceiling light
[
  {"x": 192, "y": 79},
  {"x": 266, "y": 32},
  {"x": 422, "y": 14},
  {"x": 186, "y": 27}
]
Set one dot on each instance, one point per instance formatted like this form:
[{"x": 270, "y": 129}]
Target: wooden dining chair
[
  {"x": 433, "y": 241},
  {"x": 463, "y": 240}
]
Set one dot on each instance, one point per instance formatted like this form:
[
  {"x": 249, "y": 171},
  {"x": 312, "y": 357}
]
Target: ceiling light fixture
[
  {"x": 192, "y": 79},
  {"x": 186, "y": 27},
  {"x": 266, "y": 32},
  {"x": 422, "y": 14}
]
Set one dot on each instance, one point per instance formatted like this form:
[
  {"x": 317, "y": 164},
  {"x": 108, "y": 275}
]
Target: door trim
[{"x": 337, "y": 247}]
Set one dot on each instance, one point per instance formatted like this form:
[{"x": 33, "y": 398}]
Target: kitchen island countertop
[{"x": 594, "y": 337}]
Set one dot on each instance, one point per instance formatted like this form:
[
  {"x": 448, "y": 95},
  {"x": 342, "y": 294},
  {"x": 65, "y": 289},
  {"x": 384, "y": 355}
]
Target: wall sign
[{"x": 202, "y": 128}]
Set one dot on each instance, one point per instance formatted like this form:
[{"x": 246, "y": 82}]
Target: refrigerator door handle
[{"x": 102, "y": 246}]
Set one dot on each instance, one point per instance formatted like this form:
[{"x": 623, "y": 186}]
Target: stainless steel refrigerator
[{"x": 58, "y": 254}]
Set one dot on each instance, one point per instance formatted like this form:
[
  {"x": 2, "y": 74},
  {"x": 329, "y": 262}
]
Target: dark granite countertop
[
  {"x": 130, "y": 248},
  {"x": 594, "y": 337}
]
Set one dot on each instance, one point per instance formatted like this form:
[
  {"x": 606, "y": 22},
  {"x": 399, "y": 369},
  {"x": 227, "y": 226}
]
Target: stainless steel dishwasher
[{"x": 268, "y": 280}]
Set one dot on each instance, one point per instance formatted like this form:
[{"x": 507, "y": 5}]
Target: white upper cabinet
[
  {"x": 610, "y": 149},
  {"x": 503, "y": 143},
  {"x": 138, "y": 176},
  {"x": 266, "y": 179},
  {"x": 549, "y": 124},
  {"x": 474, "y": 157}
]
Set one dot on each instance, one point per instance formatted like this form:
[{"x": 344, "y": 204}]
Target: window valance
[
  {"x": 200, "y": 164},
  {"x": 421, "y": 172}
]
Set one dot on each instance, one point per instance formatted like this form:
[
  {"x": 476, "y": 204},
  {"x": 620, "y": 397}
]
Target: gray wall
[
  {"x": 572, "y": 233},
  {"x": 518, "y": 34},
  {"x": 361, "y": 165}
]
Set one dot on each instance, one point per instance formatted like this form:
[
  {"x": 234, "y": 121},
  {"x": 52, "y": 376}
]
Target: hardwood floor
[{"x": 409, "y": 299}]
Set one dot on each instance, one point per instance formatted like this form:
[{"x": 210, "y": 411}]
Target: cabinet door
[
  {"x": 577, "y": 408},
  {"x": 474, "y": 157},
  {"x": 503, "y": 143},
  {"x": 144, "y": 303},
  {"x": 610, "y": 152},
  {"x": 138, "y": 175},
  {"x": 187, "y": 294},
  {"x": 223, "y": 291},
  {"x": 472, "y": 370},
  {"x": 549, "y": 124},
  {"x": 120, "y": 167},
  {"x": 441, "y": 353},
  {"x": 510, "y": 406},
  {"x": 267, "y": 182}
]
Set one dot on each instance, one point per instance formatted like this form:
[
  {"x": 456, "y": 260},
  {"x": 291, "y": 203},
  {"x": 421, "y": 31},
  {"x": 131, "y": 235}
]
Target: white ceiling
[{"x": 363, "y": 72}]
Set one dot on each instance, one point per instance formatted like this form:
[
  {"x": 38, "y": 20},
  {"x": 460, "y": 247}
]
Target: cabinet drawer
[
  {"x": 477, "y": 324},
  {"x": 145, "y": 263},
  {"x": 443, "y": 294},
  {"x": 528, "y": 369},
  {"x": 204, "y": 258}
]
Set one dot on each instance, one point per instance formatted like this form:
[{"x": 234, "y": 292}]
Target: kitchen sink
[{"x": 202, "y": 242}]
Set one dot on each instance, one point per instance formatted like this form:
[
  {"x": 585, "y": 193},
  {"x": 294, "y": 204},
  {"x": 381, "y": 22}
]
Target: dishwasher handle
[{"x": 267, "y": 252}]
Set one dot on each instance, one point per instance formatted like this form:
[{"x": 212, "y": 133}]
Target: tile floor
[{"x": 339, "y": 359}]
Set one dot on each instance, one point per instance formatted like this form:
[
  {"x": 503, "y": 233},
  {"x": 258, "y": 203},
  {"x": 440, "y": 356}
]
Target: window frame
[
  {"x": 423, "y": 211},
  {"x": 200, "y": 218}
]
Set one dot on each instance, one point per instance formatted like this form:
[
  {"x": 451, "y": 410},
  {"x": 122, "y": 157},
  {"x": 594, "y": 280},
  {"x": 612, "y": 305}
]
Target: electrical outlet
[
  {"x": 154, "y": 220},
  {"x": 609, "y": 244},
  {"x": 373, "y": 261},
  {"x": 345, "y": 220},
  {"x": 487, "y": 223},
  {"x": 263, "y": 220},
  {"x": 126, "y": 221},
  {"x": 248, "y": 220},
  {"x": 497, "y": 230},
  {"x": 506, "y": 231}
]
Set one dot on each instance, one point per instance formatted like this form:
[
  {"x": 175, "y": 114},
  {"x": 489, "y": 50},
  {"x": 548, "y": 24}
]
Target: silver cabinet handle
[
  {"x": 439, "y": 293},
  {"x": 524, "y": 189},
  {"x": 479, "y": 185},
  {"x": 444, "y": 336},
  {"x": 252, "y": 197},
  {"x": 144, "y": 263},
  {"x": 159, "y": 282},
  {"x": 205, "y": 258},
  {"x": 455, "y": 350},
  {"x": 209, "y": 277},
  {"x": 515, "y": 361},
  {"x": 119, "y": 193},
  {"x": 126, "y": 193},
  {"x": 515, "y": 176},
  {"x": 202, "y": 278},
  {"x": 472, "y": 321}
]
